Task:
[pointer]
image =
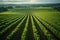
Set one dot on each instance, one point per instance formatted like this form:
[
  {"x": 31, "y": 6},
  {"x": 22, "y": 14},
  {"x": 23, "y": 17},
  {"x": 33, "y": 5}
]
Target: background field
[{"x": 39, "y": 23}]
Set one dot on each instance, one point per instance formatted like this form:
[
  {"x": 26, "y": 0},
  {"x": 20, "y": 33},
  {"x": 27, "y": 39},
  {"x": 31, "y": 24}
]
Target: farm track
[
  {"x": 29, "y": 34},
  {"x": 4, "y": 25},
  {"x": 14, "y": 29},
  {"x": 6, "y": 33},
  {"x": 39, "y": 30},
  {"x": 6, "y": 21},
  {"x": 17, "y": 35},
  {"x": 51, "y": 32}
]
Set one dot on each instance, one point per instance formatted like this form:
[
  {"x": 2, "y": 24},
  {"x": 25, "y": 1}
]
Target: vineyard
[{"x": 30, "y": 24}]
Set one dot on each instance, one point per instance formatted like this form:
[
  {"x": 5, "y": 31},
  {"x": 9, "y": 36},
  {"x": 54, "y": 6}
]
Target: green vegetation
[
  {"x": 3, "y": 9},
  {"x": 42, "y": 23}
]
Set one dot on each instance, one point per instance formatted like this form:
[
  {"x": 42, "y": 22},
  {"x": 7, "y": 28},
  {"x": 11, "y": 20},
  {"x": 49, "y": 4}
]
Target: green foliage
[
  {"x": 30, "y": 23},
  {"x": 3, "y": 9}
]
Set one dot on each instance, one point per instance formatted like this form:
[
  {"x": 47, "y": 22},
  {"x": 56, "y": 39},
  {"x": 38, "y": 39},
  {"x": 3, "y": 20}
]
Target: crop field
[{"x": 30, "y": 24}]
